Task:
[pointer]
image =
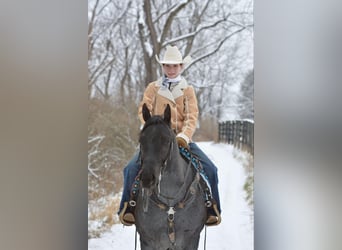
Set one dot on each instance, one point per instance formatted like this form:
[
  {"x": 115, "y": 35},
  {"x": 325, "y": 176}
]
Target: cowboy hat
[{"x": 173, "y": 56}]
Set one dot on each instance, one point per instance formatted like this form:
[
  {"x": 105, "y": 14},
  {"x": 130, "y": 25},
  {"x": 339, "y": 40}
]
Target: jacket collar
[{"x": 176, "y": 92}]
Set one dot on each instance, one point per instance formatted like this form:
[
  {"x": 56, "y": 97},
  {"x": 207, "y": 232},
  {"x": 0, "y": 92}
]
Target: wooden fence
[{"x": 238, "y": 133}]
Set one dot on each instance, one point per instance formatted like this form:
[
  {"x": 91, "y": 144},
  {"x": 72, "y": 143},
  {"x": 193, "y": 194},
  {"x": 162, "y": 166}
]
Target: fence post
[{"x": 238, "y": 133}]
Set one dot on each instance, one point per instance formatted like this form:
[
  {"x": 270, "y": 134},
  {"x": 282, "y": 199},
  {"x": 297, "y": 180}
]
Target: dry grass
[
  {"x": 208, "y": 130},
  {"x": 119, "y": 127},
  {"x": 247, "y": 161},
  {"x": 102, "y": 214}
]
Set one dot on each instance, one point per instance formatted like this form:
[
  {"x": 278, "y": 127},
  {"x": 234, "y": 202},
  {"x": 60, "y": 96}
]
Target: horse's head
[{"x": 156, "y": 140}]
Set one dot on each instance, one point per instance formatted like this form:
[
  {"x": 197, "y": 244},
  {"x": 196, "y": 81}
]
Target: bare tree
[
  {"x": 104, "y": 62},
  {"x": 246, "y": 98},
  {"x": 125, "y": 36}
]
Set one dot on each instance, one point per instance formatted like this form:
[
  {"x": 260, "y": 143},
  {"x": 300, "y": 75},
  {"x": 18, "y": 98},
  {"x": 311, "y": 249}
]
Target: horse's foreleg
[
  {"x": 192, "y": 244},
  {"x": 145, "y": 245}
]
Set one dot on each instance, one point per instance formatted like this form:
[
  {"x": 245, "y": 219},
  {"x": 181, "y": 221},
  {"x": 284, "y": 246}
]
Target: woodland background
[{"x": 123, "y": 39}]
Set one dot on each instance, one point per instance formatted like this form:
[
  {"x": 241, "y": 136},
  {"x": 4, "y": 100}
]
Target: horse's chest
[{"x": 156, "y": 219}]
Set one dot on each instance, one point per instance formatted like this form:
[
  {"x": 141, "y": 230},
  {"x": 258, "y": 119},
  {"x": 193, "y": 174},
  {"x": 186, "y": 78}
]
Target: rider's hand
[{"x": 181, "y": 141}]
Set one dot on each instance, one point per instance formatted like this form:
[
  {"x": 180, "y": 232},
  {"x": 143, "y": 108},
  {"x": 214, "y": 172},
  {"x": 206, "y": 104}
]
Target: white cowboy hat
[{"x": 173, "y": 56}]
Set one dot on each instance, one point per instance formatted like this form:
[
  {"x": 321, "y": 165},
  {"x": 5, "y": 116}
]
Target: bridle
[
  {"x": 170, "y": 148},
  {"x": 163, "y": 164}
]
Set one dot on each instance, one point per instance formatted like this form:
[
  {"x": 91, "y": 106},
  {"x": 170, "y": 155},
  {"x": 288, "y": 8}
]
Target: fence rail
[{"x": 238, "y": 133}]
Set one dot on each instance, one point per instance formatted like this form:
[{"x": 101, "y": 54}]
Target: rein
[
  {"x": 164, "y": 164},
  {"x": 177, "y": 197}
]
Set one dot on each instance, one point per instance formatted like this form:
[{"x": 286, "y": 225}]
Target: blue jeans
[{"x": 132, "y": 169}]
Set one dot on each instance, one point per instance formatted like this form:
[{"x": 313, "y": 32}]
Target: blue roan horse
[{"x": 170, "y": 212}]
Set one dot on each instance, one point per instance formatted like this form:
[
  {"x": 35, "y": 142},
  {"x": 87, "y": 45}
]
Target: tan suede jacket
[{"x": 183, "y": 103}]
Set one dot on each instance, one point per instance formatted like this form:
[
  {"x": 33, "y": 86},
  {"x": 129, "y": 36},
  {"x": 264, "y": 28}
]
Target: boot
[
  {"x": 212, "y": 220},
  {"x": 126, "y": 216},
  {"x": 129, "y": 219},
  {"x": 214, "y": 217}
]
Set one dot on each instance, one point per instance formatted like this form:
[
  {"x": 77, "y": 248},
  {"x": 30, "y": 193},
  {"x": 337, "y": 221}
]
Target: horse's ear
[
  {"x": 146, "y": 112},
  {"x": 167, "y": 114}
]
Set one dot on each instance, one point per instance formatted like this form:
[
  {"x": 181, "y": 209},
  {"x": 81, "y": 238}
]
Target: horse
[{"x": 170, "y": 209}]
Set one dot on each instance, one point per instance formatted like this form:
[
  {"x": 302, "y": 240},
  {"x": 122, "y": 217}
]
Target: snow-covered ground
[{"x": 236, "y": 230}]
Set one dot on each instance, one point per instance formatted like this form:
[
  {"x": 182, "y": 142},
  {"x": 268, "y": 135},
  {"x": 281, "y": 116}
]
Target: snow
[
  {"x": 236, "y": 229},
  {"x": 149, "y": 48},
  {"x": 141, "y": 14}
]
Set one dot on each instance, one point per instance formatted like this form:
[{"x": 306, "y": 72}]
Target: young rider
[{"x": 174, "y": 90}]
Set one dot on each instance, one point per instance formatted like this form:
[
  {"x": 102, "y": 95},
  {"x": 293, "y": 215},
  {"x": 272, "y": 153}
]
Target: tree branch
[
  {"x": 170, "y": 18},
  {"x": 164, "y": 13},
  {"x": 215, "y": 50},
  {"x": 149, "y": 22},
  {"x": 176, "y": 39},
  {"x": 90, "y": 30}
]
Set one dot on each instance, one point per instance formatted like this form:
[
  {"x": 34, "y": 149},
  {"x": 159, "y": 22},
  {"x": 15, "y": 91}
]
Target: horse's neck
[
  {"x": 175, "y": 171},
  {"x": 175, "y": 177}
]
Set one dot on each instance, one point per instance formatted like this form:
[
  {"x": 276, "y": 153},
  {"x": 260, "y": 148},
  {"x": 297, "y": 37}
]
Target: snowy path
[{"x": 236, "y": 230}]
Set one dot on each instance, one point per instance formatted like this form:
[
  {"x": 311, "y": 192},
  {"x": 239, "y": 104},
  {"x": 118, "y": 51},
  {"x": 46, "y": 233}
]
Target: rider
[{"x": 172, "y": 89}]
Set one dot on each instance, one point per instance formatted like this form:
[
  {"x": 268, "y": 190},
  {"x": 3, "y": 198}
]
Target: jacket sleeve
[
  {"x": 190, "y": 114},
  {"x": 148, "y": 98}
]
